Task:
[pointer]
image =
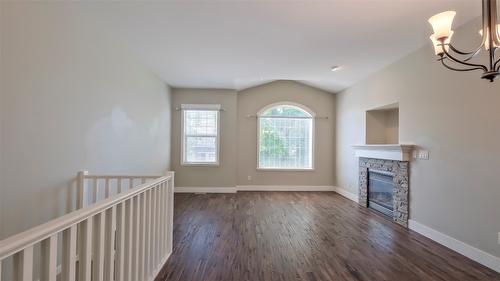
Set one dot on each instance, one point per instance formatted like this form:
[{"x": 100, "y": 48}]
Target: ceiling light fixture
[
  {"x": 460, "y": 60},
  {"x": 335, "y": 68}
]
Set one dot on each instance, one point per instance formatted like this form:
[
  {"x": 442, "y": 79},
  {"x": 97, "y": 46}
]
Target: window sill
[
  {"x": 200, "y": 164},
  {"x": 285, "y": 170}
]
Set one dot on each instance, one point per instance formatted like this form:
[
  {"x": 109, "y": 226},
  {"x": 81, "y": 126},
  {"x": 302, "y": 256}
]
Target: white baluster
[
  {"x": 119, "y": 185},
  {"x": 147, "y": 237},
  {"x": 80, "y": 186},
  {"x": 129, "y": 240},
  {"x": 23, "y": 265},
  {"x": 161, "y": 245},
  {"x": 120, "y": 242},
  {"x": 162, "y": 223},
  {"x": 153, "y": 229},
  {"x": 95, "y": 190},
  {"x": 49, "y": 258},
  {"x": 109, "y": 254},
  {"x": 170, "y": 219},
  {"x": 69, "y": 254},
  {"x": 142, "y": 245},
  {"x": 136, "y": 237},
  {"x": 158, "y": 224},
  {"x": 98, "y": 260},
  {"x": 106, "y": 188},
  {"x": 85, "y": 255}
]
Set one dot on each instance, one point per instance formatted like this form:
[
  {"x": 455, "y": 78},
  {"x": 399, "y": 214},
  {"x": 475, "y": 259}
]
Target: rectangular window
[{"x": 200, "y": 134}]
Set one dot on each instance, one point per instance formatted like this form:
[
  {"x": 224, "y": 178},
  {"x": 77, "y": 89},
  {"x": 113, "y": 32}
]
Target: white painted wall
[
  {"x": 453, "y": 115},
  {"x": 71, "y": 100},
  {"x": 1, "y": 102}
]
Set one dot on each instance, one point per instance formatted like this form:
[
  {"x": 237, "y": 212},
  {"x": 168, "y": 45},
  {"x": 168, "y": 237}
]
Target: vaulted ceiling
[{"x": 238, "y": 44}]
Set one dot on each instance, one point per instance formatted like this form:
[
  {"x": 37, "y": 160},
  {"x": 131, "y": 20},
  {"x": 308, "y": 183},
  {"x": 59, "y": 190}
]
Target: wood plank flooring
[{"x": 310, "y": 236}]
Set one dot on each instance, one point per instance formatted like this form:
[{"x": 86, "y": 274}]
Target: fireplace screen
[{"x": 380, "y": 191}]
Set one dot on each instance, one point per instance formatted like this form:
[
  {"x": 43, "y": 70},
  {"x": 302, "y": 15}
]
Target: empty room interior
[{"x": 273, "y": 140}]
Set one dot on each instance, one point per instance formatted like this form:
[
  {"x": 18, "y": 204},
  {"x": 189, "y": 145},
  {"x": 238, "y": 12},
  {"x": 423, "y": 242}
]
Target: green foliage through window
[{"x": 285, "y": 138}]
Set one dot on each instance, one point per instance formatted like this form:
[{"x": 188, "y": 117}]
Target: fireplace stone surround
[{"x": 401, "y": 184}]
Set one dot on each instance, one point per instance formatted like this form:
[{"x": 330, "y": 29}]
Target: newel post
[
  {"x": 80, "y": 186},
  {"x": 170, "y": 212}
]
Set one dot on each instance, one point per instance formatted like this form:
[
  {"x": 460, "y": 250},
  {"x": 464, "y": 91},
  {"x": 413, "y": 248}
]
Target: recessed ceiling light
[{"x": 335, "y": 68}]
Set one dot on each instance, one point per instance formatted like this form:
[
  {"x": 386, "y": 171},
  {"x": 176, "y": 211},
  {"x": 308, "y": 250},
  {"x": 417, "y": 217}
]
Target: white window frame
[
  {"x": 214, "y": 107},
  {"x": 313, "y": 133}
]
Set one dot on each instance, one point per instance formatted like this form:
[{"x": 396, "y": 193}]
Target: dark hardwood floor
[{"x": 302, "y": 236}]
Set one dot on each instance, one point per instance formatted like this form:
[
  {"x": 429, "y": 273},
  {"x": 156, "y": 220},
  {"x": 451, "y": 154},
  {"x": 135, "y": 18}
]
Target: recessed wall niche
[{"x": 382, "y": 125}]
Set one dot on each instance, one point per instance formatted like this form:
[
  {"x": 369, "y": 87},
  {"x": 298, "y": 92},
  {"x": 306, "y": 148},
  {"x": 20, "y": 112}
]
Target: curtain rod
[
  {"x": 287, "y": 117},
  {"x": 179, "y": 109}
]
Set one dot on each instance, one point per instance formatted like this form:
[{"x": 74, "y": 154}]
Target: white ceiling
[{"x": 238, "y": 44}]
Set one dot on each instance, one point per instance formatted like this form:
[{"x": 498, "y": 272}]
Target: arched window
[{"x": 285, "y": 132}]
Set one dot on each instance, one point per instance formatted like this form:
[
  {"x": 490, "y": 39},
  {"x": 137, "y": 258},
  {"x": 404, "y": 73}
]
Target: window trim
[
  {"x": 214, "y": 107},
  {"x": 313, "y": 139}
]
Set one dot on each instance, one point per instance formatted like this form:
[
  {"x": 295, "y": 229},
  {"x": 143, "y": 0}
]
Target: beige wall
[
  {"x": 71, "y": 100},
  {"x": 453, "y": 115},
  {"x": 238, "y": 147},
  {"x": 382, "y": 126},
  {"x": 252, "y": 100},
  {"x": 223, "y": 175}
]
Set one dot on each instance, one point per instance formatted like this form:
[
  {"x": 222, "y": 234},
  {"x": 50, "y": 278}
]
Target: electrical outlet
[{"x": 249, "y": 178}]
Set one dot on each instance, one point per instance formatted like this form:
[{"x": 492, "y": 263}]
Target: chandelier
[{"x": 457, "y": 60}]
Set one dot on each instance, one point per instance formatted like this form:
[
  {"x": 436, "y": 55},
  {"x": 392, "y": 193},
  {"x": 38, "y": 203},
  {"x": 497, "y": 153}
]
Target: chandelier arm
[
  {"x": 458, "y": 69},
  {"x": 497, "y": 63},
  {"x": 448, "y": 55},
  {"x": 485, "y": 8},
  {"x": 472, "y": 53}
]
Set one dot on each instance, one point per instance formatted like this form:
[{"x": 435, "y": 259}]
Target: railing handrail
[
  {"x": 121, "y": 176},
  {"x": 18, "y": 242}
]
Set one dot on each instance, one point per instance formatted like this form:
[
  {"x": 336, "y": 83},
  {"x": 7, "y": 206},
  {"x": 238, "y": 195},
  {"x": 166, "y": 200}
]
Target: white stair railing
[
  {"x": 125, "y": 237},
  {"x": 92, "y": 188}
]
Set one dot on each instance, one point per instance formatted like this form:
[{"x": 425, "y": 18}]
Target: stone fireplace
[
  {"x": 397, "y": 171},
  {"x": 384, "y": 179}
]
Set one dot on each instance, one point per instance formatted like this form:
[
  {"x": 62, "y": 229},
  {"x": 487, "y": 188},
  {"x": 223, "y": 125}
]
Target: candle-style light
[{"x": 457, "y": 60}]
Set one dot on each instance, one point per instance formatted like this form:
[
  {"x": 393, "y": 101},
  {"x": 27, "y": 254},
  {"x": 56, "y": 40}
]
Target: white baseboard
[
  {"x": 284, "y": 188},
  {"x": 467, "y": 250},
  {"x": 347, "y": 194},
  {"x": 208, "y": 189},
  {"x": 200, "y": 189}
]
